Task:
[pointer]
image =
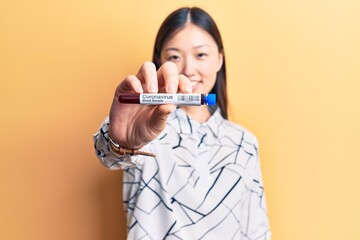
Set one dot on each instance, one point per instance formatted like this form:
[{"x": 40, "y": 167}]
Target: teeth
[{"x": 194, "y": 83}]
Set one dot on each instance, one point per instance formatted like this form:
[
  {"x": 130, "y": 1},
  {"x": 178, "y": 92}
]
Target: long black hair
[{"x": 177, "y": 20}]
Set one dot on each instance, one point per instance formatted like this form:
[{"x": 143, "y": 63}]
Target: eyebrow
[{"x": 176, "y": 49}]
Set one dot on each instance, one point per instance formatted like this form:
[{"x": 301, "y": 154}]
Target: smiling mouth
[{"x": 194, "y": 83}]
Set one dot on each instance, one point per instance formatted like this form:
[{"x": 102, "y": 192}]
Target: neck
[{"x": 197, "y": 113}]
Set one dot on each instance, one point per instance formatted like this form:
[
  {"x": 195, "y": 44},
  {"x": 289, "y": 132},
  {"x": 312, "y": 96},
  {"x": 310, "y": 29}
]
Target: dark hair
[{"x": 177, "y": 20}]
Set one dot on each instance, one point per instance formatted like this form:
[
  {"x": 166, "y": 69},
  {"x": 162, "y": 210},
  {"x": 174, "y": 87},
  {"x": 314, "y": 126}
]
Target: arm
[
  {"x": 134, "y": 126},
  {"x": 107, "y": 157},
  {"x": 254, "y": 212}
]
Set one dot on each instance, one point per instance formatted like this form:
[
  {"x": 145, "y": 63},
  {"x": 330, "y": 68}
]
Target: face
[{"x": 196, "y": 55}]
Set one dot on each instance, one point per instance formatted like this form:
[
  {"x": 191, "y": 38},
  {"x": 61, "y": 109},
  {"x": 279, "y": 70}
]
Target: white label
[{"x": 176, "y": 99}]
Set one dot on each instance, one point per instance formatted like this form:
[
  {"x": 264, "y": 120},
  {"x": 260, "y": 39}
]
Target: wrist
[{"x": 116, "y": 147}]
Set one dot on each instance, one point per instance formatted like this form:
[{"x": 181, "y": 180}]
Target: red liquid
[
  {"x": 130, "y": 98},
  {"x": 134, "y": 98}
]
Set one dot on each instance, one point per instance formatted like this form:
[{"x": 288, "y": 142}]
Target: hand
[{"x": 134, "y": 125}]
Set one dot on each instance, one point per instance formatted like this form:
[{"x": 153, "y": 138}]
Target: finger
[
  {"x": 184, "y": 84},
  {"x": 159, "y": 117},
  {"x": 168, "y": 77},
  {"x": 130, "y": 84},
  {"x": 148, "y": 76}
]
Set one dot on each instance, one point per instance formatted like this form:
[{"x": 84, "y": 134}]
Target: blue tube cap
[{"x": 210, "y": 99}]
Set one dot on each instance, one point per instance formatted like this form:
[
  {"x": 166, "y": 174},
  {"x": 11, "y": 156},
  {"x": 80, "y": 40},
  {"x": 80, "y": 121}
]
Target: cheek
[
  {"x": 162, "y": 60},
  {"x": 178, "y": 66},
  {"x": 209, "y": 71}
]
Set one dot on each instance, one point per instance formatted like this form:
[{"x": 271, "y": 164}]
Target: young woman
[{"x": 204, "y": 181}]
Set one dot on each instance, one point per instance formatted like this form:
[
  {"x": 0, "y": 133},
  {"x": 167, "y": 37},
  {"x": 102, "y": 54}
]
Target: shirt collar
[{"x": 185, "y": 125}]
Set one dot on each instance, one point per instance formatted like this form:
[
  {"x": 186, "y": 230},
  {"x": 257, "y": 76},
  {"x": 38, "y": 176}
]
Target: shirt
[{"x": 204, "y": 183}]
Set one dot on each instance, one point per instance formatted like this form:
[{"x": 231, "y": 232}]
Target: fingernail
[
  {"x": 188, "y": 88},
  {"x": 172, "y": 88},
  {"x": 153, "y": 88},
  {"x": 139, "y": 90}
]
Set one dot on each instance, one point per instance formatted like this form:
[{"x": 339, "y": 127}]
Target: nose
[{"x": 188, "y": 67}]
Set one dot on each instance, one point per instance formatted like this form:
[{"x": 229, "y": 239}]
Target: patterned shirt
[{"x": 204, "y": 183}]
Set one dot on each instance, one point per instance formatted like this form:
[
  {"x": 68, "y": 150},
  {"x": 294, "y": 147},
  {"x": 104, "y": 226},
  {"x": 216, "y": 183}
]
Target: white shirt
[{"x": 204, "y": 183}]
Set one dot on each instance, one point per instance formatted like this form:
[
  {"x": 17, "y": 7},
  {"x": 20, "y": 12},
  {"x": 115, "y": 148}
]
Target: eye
[
  {"x": 173, "y": 58},
  {"x": 201, "y": 55}
]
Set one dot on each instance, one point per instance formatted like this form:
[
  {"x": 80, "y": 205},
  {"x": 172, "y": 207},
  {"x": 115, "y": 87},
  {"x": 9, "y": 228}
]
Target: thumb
[{"x": 159, "y": 117}]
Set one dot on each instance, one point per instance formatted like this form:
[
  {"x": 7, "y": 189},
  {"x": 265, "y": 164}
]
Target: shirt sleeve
[
  {"x": 106, "y": 156},
  {"x": 255, "y": 223}
]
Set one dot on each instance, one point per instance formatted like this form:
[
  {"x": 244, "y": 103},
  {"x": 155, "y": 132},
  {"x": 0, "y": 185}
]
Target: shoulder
[{"x": 238, "y": 131}]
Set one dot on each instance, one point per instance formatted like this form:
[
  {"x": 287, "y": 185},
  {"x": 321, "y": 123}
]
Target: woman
[{"x": 205, "y": 180}]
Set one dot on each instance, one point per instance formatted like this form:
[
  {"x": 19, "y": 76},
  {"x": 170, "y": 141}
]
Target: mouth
[{"x": 195, "y": 83}]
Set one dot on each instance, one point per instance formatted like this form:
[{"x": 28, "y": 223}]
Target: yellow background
[{"x": 294, "y": 80}]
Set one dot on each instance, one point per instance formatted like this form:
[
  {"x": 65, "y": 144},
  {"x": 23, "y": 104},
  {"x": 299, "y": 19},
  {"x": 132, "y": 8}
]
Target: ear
[{"x": 220, "y": 60}]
